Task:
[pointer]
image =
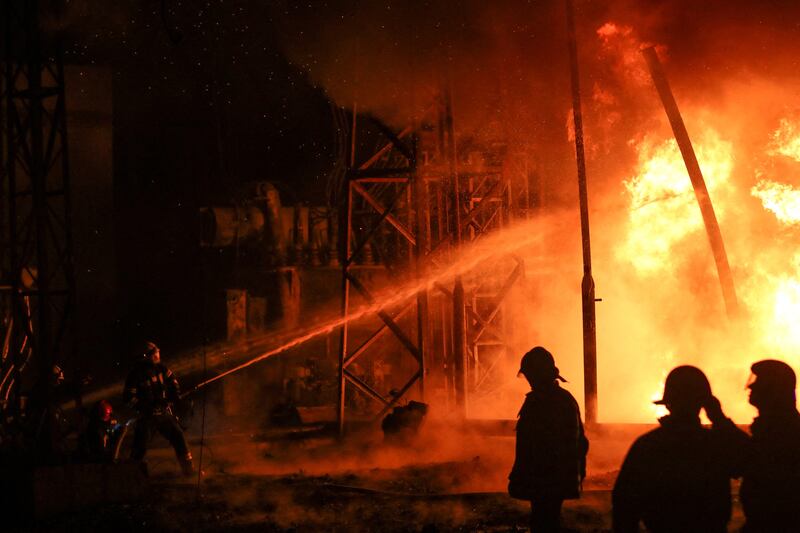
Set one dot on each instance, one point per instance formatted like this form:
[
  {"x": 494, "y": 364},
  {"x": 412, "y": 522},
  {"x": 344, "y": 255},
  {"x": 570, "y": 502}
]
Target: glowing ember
[
  {"x": 663, "y": 206},
  {"x": 781, "y": 199}
]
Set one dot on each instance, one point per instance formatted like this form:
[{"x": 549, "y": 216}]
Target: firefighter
[
  {"x": 50, "y": 425},
  {"x": 152, "y": 389},
  {"x": 771, "y": 472},
  {"x": 677, "y": 476},
  {"x": 551, "y": 447},
  {"x": 99, "y": 440}
]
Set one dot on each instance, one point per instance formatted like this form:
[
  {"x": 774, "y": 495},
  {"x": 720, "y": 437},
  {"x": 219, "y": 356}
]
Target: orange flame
[
  {"x": 781, "y": 199},
  {"x": 620, "y": 44},
  {"x": 786, "y": 140},
  {"x": 663, "y": 206}
]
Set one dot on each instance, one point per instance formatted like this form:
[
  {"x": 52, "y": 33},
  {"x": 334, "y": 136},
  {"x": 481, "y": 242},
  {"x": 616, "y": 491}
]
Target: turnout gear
[
  {"x": 551, "y": 447},
  {"x": 98, "y": 443},
  {"x": 771, "y": 470},
  {"x": 677, "y": 477},
  {"x": 152, "y": 389}
]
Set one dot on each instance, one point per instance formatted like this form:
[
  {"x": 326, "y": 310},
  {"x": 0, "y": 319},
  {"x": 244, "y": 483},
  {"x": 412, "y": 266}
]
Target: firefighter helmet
[
  {"x": 539, "y": 363},
  {"x": 685, "y": 384}
]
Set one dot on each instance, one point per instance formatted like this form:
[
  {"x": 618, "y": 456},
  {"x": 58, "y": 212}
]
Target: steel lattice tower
[{"x": 36, "y": 254}]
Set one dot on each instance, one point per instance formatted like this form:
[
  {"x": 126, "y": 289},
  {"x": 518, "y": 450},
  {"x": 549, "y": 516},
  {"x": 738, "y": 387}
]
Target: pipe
[{"x": 698, "y": 183}]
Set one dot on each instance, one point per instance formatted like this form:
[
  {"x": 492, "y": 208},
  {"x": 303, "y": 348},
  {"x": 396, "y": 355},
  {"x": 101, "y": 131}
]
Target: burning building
[{"x": 345, "y": 207}]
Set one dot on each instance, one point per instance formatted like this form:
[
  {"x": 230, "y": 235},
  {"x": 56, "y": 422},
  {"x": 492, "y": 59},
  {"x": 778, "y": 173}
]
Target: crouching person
[
  {"x": 152, "y": 389},
  {"x": 551, "y": 446}
]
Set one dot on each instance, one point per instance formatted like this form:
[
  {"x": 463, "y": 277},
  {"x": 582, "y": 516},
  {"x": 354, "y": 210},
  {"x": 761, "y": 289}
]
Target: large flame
[
  {"x": 664, "y": 230},
  {"x": 663, "y": 206},
  {"x": 775, "y": 297},
  {"x": 781, "y": 199},
  {"x": 786, "y": 139}
]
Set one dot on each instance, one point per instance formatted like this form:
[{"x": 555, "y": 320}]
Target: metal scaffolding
[
  {"x": 36, "y": 254},
  {"x": 383, "y": 192},
  {"x": 481, "y": 204},
  {"x": 409, "y": 207}
]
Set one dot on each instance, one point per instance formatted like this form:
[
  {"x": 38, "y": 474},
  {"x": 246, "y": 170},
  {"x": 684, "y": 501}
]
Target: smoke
[{"x": 731, "y": 66}]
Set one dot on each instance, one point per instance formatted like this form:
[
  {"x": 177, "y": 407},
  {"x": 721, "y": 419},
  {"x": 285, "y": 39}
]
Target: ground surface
[{"x": 440, "y": 483}]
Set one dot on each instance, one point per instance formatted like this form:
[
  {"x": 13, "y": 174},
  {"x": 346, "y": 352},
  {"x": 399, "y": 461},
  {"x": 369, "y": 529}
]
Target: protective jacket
[
  {"x": 151, "y": 388},
  {"x": 771, "y": 474},
  {"x": 551, "y": 447},
  {"x": 677, "y": 478}
]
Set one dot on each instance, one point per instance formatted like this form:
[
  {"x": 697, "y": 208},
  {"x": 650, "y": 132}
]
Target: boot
[{"x": 186, "y": 465}]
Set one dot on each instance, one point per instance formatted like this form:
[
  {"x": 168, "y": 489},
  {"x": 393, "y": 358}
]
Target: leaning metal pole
[
  {"x": 587, "y": 284},
  {"x": 698, "y": 183}
]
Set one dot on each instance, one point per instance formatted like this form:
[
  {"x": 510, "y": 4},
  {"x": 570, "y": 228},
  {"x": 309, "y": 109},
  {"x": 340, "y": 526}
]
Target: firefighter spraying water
[{"x": 152, "y": 389}]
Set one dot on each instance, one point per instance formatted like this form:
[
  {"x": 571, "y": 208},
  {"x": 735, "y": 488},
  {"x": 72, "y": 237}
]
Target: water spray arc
[{"x": 470, "y": 257}]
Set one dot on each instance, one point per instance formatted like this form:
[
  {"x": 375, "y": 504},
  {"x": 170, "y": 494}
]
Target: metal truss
[
  {"x": 408, "y": 211},
  {"x": 384, "y": 216},
  {"x": 485, "y": 193},
  {"x": 482, "y": 202},
  {"x": 36, "y": 254}
]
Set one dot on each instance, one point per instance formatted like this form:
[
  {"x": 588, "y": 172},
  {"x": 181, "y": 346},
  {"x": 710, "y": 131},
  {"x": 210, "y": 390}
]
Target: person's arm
[
  {"x": 627, "y": 494},
  {"x": 733, "y": 441}
]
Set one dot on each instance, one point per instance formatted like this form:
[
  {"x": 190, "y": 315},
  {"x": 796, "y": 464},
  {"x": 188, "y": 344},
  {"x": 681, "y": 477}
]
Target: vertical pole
[
  {"x": 460, "y": 346},
  {"x": 345, "y": 305},
  {"x": 459, "y": 304},
  {"x": 698, "y": 183},
  {"x": 38, "y": 186},
  {"x": 587, "y": 283},
  {"x": 422, "y": 213},
  {"x": 347, "y": 227}
]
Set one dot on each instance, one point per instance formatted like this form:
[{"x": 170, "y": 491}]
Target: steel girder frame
[
  {"x": 481, "y": 202},
  {"x": 488, "y": 202},
  {"x": 486, "y": 207},
  {"x": 37, "y": 275},
  {"x": 381, "y": 189}
]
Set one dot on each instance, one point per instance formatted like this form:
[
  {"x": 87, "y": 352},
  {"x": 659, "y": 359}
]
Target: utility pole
[{"x": 587, "y": 283}]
